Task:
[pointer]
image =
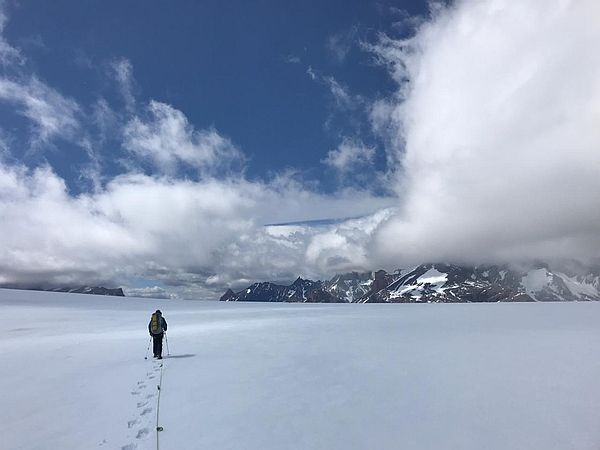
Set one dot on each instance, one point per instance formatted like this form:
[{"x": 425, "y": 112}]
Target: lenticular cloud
[{"x": 499, "y": 114}]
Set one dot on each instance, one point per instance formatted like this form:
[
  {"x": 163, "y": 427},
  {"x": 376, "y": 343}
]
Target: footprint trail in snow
[{"x": 145, "y": 399}]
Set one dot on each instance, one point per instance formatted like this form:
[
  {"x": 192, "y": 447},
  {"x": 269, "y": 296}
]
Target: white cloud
[
  {"x": 344, "y": 99},
  {"x": 406, "y": 23},
  {"x": 51, "y": 113},
  {"x": 350, "y": 156},
  {"x": 47, "y": 234},
  {"x": 340, "y": 44},
  {"x": 105, "y": 120},
  {"x": 168, "y": 140},
  {"x": 345, "y": 246},
  {"x": 292, "y": 59},
  {"x": 8, "y": 54},
  {"x": 123, "y": 73},
  {"x": 340, "y": 93},
  {"x": 498, "y": 110},
  {"x": 192, "y": 234},
  {"x": 51, "y": 116}
]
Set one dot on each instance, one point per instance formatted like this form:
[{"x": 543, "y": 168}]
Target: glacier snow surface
[{"x": 297, "y": 376}]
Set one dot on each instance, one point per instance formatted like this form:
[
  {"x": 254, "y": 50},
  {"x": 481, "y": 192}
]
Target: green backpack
[{"x": 156, "y": 324}]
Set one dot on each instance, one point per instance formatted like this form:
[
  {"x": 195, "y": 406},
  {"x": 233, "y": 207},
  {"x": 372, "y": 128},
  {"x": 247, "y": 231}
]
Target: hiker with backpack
[{"x": 157, "y": 328}]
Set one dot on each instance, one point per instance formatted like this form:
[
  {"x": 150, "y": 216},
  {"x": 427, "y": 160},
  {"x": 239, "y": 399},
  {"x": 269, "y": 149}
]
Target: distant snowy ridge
[
  {"x": 306, "y": 291},
  {"x": 94, "y": 290},
  {"x": 440, "y": 283}
]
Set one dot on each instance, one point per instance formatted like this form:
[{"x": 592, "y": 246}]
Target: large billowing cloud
[
  {"x": 498, "y": 112},
  {"x": 177, "y": 231}
]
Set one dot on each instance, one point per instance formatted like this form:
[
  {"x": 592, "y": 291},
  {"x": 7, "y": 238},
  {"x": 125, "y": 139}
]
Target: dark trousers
[{"x": 157, "y": 344}]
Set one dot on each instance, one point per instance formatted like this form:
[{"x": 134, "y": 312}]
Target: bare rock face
[
  {"x": 227, "y": 295},
  {"x": 306, "y": 291},
  {"x": 380, "y": 281},
  {"x": 98, "y": 290}
]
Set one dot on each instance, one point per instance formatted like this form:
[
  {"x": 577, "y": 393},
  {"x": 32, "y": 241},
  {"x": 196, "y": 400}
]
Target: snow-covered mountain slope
[
  {"x": 543, "y": 285},
  {"x": 298, "y": 376},
  {"x": 443, "y": 283},
  {"x": 349, "y": 286},
  {"x": 451, "y": 284}
]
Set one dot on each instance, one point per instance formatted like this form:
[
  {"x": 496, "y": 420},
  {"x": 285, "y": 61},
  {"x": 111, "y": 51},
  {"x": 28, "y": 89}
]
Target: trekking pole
[
  {"x": 167, "y": 340},
  {"x": 148, "y": 349}
]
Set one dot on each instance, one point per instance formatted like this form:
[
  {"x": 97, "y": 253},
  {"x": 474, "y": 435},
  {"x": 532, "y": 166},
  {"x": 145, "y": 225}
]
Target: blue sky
[
  {"x": 241, "y": 67},
  {"x": 181, "y": 148}
]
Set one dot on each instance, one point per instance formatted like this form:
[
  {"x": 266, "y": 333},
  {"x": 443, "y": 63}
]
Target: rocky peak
[{"x": 227, "y": 295}]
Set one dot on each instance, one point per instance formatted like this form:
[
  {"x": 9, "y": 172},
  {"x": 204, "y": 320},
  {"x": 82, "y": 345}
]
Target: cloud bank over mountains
[
  {"x": 498, "y": 110},
  {"x": 493, "y": 150}
]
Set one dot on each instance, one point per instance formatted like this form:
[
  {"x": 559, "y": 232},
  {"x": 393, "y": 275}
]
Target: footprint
[
  {"x": 151, "y": 377},
  {"x": 131, "y": 423},
  {"x": 135, "y": 393},
  {"x": 141, "y": 404},
  {"x": 146, "y": 411},
  {"x": 129, "y": 447},
  {"x": 142, "y": 433},
  {"x": 149, "y": 395}
]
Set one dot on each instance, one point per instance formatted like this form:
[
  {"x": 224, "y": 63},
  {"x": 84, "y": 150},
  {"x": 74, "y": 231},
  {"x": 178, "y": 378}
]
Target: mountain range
[
  {"x": 94, "y": 290},
  {"x": 427, "y": 283}
]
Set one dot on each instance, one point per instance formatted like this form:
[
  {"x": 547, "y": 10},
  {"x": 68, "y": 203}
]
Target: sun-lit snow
[
  {"x": 299, "y": 376},
  {"x": 578, "y": 287},
  {"x": 432, "y": 279}
]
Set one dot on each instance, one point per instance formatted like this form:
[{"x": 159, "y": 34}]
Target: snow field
[{"x": 296, "y": 376}]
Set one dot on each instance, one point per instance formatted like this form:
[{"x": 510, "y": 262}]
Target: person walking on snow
[{"x": 157, "y": 328}]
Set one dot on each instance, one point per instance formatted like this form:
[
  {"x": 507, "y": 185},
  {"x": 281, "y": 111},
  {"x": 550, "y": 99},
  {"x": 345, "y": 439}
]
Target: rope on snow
[{"x": 158, "y": 427}]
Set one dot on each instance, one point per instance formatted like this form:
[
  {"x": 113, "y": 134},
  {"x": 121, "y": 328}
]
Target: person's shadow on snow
[{"x": 187, "y": 355}]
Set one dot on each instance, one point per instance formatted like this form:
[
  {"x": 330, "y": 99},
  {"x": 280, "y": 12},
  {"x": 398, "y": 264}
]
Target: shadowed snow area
[{"x": 297, "y": 376}]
